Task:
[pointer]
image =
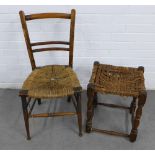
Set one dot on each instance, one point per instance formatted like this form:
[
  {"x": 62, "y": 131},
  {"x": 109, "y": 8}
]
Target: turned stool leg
[
  {"x": 26, "y": 116},
  {"x": 79, "y": 113},
  {"x": 141, "y": 102},
  {"x": 90, "y": 108},
  {"x": 133, "y": 105}
]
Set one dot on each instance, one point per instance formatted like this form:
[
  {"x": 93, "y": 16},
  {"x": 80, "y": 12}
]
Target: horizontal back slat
[
  {"x": 50, "y": 42},
  {"x": 47, "y": 15},
  {"x": 51, "y": 49}
]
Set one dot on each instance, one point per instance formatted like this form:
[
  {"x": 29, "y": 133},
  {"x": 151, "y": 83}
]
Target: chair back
[{"x": 24, "y": 18}]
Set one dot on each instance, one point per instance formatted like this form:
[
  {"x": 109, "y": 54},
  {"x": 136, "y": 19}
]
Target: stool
[{"x": 117, "y": 80}]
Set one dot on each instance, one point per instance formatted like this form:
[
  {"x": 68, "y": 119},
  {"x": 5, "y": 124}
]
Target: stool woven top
[
  {"x": 117, "y": 80},
  {"x": 51, "y": 82}
]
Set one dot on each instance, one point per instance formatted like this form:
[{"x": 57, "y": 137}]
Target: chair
[
  {"x": 51, "y": 81},
  {"x": 116, "y": 80}
]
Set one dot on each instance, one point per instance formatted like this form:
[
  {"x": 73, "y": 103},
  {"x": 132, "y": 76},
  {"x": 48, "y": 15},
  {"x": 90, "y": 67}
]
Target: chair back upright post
[
  {"x": 72, "y": 29},
  {"x": 30, "y": 45},
  {"x": 27, "y": 39}
]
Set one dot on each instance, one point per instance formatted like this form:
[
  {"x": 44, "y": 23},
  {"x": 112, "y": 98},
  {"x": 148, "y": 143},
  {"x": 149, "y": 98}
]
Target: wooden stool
[{"x": 116, "y": 80}]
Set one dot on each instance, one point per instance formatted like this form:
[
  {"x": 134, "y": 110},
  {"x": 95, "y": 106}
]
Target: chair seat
[
  {"x": 116, "y": 80},
  {"x": 51, "y": 82}
]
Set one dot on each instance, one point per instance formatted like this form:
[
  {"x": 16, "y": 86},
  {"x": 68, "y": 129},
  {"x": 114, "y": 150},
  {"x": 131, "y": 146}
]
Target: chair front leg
[
  {"x": 26, "y": 116},
  {"x": 90, "y": 108},
  {"x": 141, "y": 102},
  {"x": 79, "y": 112}
]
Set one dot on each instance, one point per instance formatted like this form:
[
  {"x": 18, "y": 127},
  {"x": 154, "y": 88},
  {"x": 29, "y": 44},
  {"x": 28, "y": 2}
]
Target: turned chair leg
[
  {"x": 26, "y": 116},
  {"x": 79, "y": 113},
  {"x": 141, "y": 102},
  {"x": 90, "y": 108},
  {"x": 39, "y": 101},
  {"x": 133, "y": 105}
]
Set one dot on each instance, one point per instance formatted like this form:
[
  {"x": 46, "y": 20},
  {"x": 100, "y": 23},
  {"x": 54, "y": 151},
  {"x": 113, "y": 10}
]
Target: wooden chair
[
  {"x": 51, "y": 81},
  {"x": 115, "y": 80}
]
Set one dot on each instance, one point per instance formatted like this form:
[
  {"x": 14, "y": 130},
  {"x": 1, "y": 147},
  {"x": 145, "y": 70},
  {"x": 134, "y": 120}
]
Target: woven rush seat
[
  {"x": 117, "y": 80},
  {"x": 51, "y": 82}
]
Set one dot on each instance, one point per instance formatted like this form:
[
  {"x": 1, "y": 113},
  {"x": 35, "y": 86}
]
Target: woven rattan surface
[
  {"x": 116, "y": 80},
  {"x": 51, "y": 82}
]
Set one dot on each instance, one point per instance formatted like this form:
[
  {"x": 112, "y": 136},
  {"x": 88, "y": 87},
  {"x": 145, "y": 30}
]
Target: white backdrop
[{"x": 118, "y": 35}]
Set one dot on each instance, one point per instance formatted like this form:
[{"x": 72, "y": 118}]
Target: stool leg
[
  {"x": 39, "y": 101},
  {"x": 26, "y": 117},
  {"x": 141, "y": 102},
  {"x": 90, "y": 108},
  {"x": 95, "y": 100},
  {"x": 79, "y": 113},
  {"x": 133, "y": 105}
]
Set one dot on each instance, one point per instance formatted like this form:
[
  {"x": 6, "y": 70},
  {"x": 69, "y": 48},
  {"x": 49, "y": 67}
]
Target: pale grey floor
[{"x": 62, "y": 133}]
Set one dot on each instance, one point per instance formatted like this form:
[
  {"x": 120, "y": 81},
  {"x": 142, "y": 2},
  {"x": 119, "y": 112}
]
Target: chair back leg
[
  {"x": 79, "y": 113},
  {"x": 39, "y": 101}
]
